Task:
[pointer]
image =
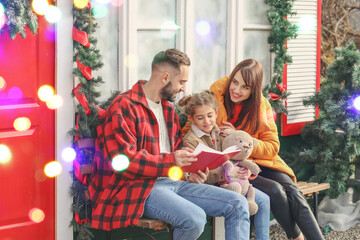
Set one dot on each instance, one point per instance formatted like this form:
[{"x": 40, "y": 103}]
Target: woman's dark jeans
[{"x": 288, "y": 204}]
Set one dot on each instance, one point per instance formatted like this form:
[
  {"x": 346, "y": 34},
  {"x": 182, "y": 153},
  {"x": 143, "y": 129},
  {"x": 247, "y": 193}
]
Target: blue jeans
[
  {"x": 185, "y": 205},
  {"x": 262, "y": 217}
]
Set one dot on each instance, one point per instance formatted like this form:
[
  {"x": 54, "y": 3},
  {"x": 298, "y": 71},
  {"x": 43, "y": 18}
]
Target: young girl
[{"x": 202, "y": 109}]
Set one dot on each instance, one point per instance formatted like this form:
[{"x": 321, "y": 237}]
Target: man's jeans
[{"x": 185, "y": 205}]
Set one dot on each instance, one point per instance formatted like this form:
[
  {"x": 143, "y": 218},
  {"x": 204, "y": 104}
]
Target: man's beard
[{"x": 168, "y": 92}]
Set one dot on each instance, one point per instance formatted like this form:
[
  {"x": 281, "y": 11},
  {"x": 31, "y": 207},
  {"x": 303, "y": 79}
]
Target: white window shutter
[{"x": 302, "y": 76}]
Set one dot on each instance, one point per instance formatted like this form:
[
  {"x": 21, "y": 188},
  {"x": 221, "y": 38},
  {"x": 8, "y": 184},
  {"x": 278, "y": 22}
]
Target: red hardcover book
[{"x": 211, "y": 158}]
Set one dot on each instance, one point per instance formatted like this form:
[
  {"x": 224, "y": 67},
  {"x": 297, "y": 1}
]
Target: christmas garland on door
[
  {"x": 16, "y": 16},
  {"x": 282, "y": 31}
]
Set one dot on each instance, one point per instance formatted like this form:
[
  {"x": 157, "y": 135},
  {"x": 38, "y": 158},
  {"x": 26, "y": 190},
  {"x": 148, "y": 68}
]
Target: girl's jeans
[{"x": 185, "y": 205}]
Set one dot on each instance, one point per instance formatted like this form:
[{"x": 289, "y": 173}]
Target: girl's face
[
  {"x": 239, "y": 91},
  {"x": 204, "y": 118}
]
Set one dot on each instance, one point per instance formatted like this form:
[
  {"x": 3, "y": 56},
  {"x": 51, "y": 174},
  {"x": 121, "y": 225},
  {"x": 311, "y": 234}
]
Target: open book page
[{"x": 211, "y": 158}]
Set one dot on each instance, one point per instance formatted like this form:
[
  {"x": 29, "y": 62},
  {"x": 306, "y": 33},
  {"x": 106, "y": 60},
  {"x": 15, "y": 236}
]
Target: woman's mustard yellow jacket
[{"x": 266, "y": 153}]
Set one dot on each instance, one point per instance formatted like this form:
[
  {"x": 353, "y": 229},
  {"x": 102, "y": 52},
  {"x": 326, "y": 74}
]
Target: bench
[
  {"x": 312, "y": 189},
  {"x": 144, "y": 223}
]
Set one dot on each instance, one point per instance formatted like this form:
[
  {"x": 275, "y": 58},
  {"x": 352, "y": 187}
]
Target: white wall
[{"x": 64, "y": 119}]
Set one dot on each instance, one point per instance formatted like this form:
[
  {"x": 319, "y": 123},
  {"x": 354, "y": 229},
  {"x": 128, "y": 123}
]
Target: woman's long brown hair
[{"x": 249, "y": 116}]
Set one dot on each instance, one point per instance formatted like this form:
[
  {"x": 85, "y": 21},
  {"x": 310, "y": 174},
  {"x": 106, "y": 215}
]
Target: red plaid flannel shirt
[{"x": 129, "y": 127}]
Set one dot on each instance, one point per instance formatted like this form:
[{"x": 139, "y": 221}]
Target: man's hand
[
  {"x": 199, "y": 177},
  {"x": 184, "y": 157}
]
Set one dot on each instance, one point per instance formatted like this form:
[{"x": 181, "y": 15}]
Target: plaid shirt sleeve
[{"x": 129, "y": 129}]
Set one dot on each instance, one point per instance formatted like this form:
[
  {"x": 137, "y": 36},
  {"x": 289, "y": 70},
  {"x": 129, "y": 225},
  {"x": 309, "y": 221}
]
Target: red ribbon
[
  {"x": 101, "y": 112},
  {"x": 85, "y": 70},
  {"x": 280, "y": 88},
  {"x": 81, "y": 98},
  {"x": 81, "y": 221},
  {"x": 77, "y": 128},
  {"x": 81, "y": 37},
  {"x": 274, "y": 96},
  {"x": 89, "y": 5}
]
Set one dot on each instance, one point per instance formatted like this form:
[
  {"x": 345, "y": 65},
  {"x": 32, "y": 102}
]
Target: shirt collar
[{"x": 199, "y": 133}]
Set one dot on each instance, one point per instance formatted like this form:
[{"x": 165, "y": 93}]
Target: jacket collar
[{"x": 199, "y": 133}]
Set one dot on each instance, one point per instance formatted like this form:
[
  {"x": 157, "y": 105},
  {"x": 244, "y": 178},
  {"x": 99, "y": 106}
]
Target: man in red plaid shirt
[{"x": 142, "y": 125}]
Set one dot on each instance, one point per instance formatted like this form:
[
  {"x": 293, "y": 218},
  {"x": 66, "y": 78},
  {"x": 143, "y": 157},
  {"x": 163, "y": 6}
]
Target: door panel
[{"x": 26, "y": 65}]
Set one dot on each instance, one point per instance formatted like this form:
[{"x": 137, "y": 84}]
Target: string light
[
  {"x": 52, "y": 14},
  {"x": 68, "y": 154},
  {"x": 40, "y": 6},
  {"x": 203, "y": 28},
  {"x": 175, "y": 173},
  {"x": 80, "y": 4},
  {"x": 5, "y": 154},
  {"x": 120, "y": 162},
  {"x": 55, "y": 102},
  {"x": 22, "y": 124},
  {"x": 52, "y": 169},
  {"x": 357, "y": 103},
  {"x": 36, "y": 215}
]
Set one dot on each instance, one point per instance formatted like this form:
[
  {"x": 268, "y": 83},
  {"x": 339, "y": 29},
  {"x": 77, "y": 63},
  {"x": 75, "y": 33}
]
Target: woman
[{"x": 242, "y": 106}]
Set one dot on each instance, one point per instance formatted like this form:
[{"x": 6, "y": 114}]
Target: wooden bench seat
[{"x": 312, "y": 189}]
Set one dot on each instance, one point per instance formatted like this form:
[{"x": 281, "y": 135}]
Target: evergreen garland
[
  {"x": 282, "y": 30},
  {"x": 86, "y": 58},
  {"x": 18, "y": 14},
  {"x": 334, "y": 137}
]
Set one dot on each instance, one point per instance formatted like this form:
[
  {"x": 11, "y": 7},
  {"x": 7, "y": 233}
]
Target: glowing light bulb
[
  {"x": 2, "y": 9},
  {"x": 36, "y": 215},
  {"x": 357, "y": 103},
  {"x": 45, "y": 93},
  {"x": 168, "y": 29},
  {"x": 52, "y": 169},
  {"x": 52, "y": 14},
  {"x": 131, "y": 61},
  {"x": 68, "y": 154},
  {"x": 99, "y": 10},
  {"x": 5, "y": 154},
  {"x": 120, "y": 162},
  {"x": 307, "y": 23},
  {"x": 22, "y": 124},
  {"x": 175, "y": 173},
  {"x": 40, "y": 6},
  {"x": 55, "y": 102},
  {"x": 203, "y": 28},
  {"x": 2, "y": 20},
  {"x": 2, "y": 83},
  {"x": 80, "y": 4},
  {"x": 15, "y": 93}
]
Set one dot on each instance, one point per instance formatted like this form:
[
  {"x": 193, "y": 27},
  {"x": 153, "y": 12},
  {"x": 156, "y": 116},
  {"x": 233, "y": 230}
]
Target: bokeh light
[
  {"x": 40, "y": 6},
  {"x": 52, "y": 14},
  {"x": 175, "y": 173},
  {"x": 203, "y": 28},
  {"x": 2, "y": 9},
  {"x": 80, "y": 4},
  {"x": 120, "y": 162},
  {"x": 307, "y": 23},
  {"x": 131, "y": 61},
  {"x": 357, "y": 103},
  {"x": 45, "y": 93},
  {"x": 99, "y": 10},
  {"x": 36, "y": 215},
  {"x": 2, "y": 83},
  {"x": 55, "y": 102},
  {"x": 117, "y": 3},
  {"x": 2, "y": 16},
  {"x": 22, "y": 124},
  {"x": 168, "y": 29},
  {"x": 50, "y": 33},
  {"x": 52, "y": 169},
  {"x": 15, "y": 93},
  {"x": 5, "y": 154},
  {"x": 68, "y": 154}
]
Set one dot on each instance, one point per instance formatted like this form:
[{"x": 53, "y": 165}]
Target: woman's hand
[
  {"x": 226, "y": 125},
  {"x": 199, "y": 177}
]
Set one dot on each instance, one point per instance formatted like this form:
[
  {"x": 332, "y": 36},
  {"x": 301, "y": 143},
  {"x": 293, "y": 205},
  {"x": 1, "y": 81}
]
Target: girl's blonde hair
[{"x": 206, "y": 97}]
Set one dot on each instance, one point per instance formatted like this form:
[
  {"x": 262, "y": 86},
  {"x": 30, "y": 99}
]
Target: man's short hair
[{"x": 172, "y": 56}]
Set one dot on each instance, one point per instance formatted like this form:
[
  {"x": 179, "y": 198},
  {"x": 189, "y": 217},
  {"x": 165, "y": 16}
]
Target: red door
[{"x": 25, "y": 65}]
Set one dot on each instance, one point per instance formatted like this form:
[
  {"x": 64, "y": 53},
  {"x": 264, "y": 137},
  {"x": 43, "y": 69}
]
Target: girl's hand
[
  {"x": 242, "y": 172},
  {"x": 199, "y": 177},
  {"x": 226, "y": 125}
]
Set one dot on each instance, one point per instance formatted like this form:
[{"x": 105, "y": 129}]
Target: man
[{"x": 144, "y": 126}]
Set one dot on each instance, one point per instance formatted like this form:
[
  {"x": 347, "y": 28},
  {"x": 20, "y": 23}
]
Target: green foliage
[
  {"x": 282, "y": 30},
  {"x": 19, "y": 14},
  {"x": 335, "y": 135}
]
